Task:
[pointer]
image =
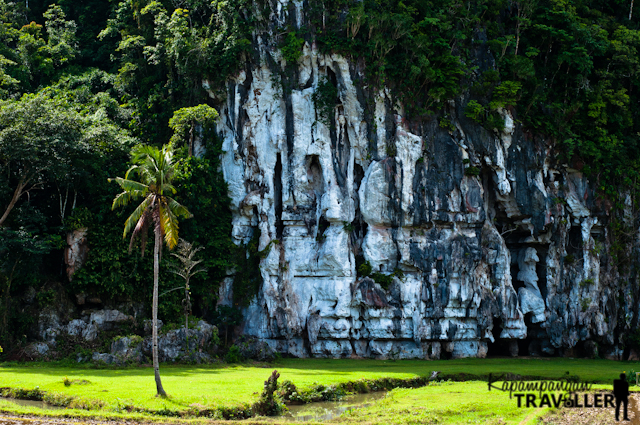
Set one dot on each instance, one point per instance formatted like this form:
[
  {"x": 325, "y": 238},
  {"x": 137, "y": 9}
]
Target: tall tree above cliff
[{"x": 155, "y": 170}]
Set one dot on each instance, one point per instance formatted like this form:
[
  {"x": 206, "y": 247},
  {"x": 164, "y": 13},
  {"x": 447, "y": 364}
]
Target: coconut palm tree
[{"x": 154, "y": 169}]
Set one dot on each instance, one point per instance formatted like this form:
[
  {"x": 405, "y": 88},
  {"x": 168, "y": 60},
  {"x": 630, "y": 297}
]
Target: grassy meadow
[{"x": 217, "y": 385}]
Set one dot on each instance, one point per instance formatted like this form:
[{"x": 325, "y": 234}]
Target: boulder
[
  {"x": 172, "y": 346},
  {"x": 49, "y": 326},
  {"x": 106, "y": 320},
  {"x": 253, "y": 348},
  {"x": 37, "y": 350},
  {"x": 76, "y": 327},
  {"x": 104, "y": 358},
  {"x": 128, "y": 349}
]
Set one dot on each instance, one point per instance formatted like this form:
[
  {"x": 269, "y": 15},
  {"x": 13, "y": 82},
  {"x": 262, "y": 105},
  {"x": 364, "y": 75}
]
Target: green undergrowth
[
  {"x": 319, "y": 392},
  {"x": 8, "y": 407}
]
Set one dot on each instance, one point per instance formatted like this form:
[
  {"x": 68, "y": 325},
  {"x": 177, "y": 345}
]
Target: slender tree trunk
[
  {"x": 20, "y": 190},
  {"x": 186, "y": 314},
  {"x": 154, "y": 318}
]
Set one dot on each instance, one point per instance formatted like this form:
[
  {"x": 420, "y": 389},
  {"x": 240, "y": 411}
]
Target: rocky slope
[{"x": 494, "y": 246}]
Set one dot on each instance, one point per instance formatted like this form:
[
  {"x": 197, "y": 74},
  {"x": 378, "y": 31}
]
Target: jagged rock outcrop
[
  {"x": 495, "y": 246},
  {"x": 173, "y": 344},
  {"x": 76, "y": 251}
]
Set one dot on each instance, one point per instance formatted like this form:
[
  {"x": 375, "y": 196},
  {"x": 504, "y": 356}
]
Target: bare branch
[{"x": 20, "y": 190}]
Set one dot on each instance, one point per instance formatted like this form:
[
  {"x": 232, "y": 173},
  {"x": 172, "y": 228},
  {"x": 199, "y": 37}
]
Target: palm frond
[
  {"x": 166, "y": 188},
  {"x": 175, "y": 269},
  {"x": 177, "y": 208},
  {"x": 141, "y": 153},
  {"x": 200, "y": 270},
  {"x": 135, "y": 216},
  {"x": 142, "y": 231},
  {"x": 169, "y": 224},
  {"x": 132, "y": 171},
  {"x": 131, "y": 185},
  {"x": 121, "y": 200},
  {"x": 132, "y": 190},
  {"x": 185, "y": 255},
  {"x": 193, "y": 265}
]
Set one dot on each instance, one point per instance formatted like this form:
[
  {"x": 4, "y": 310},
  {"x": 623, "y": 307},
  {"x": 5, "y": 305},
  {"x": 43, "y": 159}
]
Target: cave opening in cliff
[
  {"x": 446, "y": 354},
  {"x": 331, "y": 76},
  {"x": 323, "y": 224},
  {"x": 358, "y": 175},
  {"x": 499, "y": 347},
  {"x": 574, "y": 244},
  {"x": 531, "y": 345},
  {"x": 314, "y": 176},
  {"x": 277, "y": 185}
]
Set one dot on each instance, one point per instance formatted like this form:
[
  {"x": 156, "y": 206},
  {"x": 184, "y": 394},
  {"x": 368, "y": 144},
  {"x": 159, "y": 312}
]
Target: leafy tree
[
  {"x": 31, "y": 55},
  {"x": 46, "y": 143},
  {"x": 185, "y": 121},
  {"x": 155, "y": 169},
  {"x": 61, "y": 40},
  {"x": 163, "y": 53}
]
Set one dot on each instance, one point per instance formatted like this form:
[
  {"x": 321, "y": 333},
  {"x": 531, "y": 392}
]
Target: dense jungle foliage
[{"x": 83, "y": 82}]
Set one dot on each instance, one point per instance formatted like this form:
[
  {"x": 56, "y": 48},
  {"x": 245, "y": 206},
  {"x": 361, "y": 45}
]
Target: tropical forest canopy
[{"x": 81, "y": 83}]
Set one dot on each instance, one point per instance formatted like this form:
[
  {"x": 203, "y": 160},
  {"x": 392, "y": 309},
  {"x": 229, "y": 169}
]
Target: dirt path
[
  {"x": 604, "y": 416},
  {"x": 526, "y": 420},
  {"x": 17, "y": 420}
]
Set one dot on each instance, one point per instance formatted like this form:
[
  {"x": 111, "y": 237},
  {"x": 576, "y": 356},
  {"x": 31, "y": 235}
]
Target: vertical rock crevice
[{"x": 277, "y": 186}]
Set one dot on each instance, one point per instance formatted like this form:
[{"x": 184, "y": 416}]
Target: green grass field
[
  {"x": 447, "y": 403},
  {"x": 443, "y": 403},
  {"x": 215, "y": 385}
]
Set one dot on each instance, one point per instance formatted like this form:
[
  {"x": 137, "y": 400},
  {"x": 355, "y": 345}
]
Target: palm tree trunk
[
  {"x": 186, "y": 315},
  {"x": 154, "y": 314}
]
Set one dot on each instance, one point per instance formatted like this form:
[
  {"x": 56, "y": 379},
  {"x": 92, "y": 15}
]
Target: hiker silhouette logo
[{"x": 621, "y": 393}]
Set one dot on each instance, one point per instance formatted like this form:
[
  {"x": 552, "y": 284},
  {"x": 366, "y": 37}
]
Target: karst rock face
[{"x": 496, "y": 246}]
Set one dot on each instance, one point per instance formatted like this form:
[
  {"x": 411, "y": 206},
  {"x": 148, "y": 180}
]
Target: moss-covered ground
[{"x": 212, "y": 386}]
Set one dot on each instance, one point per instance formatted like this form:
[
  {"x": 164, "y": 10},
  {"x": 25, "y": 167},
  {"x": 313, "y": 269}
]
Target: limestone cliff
[{"x": 495, "y": 246}]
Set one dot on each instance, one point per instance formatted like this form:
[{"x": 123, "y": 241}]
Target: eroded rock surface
[
  {"x": 76, "y": 251},
  {"x": 496, "y": 247}
]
